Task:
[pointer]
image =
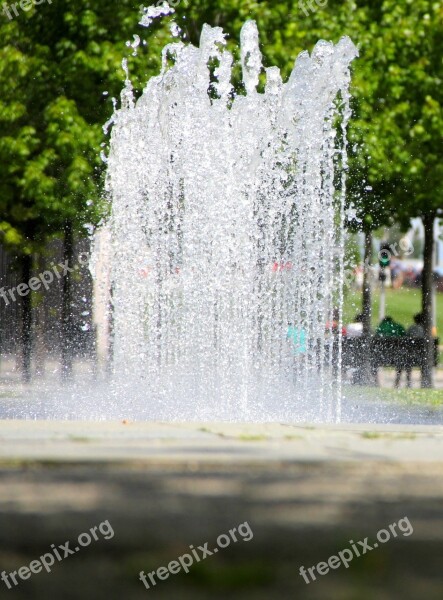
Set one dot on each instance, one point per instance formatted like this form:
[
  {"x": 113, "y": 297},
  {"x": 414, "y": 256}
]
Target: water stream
[{"x": 226, "y": 232}]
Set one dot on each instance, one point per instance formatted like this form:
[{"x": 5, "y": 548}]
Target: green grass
[
  {"x": 376, "y": 435},
  {"x": 370, "y": 435},
  {"x": 414, "y": 396},
  {"x": 401, "y": 305}
]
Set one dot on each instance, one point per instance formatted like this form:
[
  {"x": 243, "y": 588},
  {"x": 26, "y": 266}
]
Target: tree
[
  {"x": 396, "y": 170},
  {"x": 56, "y": 60},
  {"x": 405, "y": 123}
]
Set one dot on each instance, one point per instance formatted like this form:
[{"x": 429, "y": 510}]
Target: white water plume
[{"x": 226, "y": 230}]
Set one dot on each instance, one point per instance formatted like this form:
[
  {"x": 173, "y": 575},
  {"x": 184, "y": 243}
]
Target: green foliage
[
  {"x": 57, "y": 60},
  {"x": 399, "y": 120}
]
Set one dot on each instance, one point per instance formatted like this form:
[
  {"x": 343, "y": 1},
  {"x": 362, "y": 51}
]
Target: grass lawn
[
  {"x": 415, "y": 396},
  {"x": 401, "y": 305}
]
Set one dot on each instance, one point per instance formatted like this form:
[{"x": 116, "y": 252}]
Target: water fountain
[
  {"x": 223, "y": 252},
  {"x": 226, "y": 233}
]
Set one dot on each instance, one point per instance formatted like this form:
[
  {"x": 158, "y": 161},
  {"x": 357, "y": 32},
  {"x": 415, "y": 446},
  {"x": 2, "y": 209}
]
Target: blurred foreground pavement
[{"x": 305, "y": 492}]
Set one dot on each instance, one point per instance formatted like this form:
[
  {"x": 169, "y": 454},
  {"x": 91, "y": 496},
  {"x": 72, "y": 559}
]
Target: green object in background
[
  {"x": 384, "y": 256},
  {"x": 401, "y": 304},
  {"x": 297, "y": 338},
  {"x": 390, "y": 328}
]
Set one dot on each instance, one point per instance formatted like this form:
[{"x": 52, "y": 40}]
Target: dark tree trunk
[
  {"x": 39, "y": 345},
  {"x": 426, "y": 289},
  {"x": 26, "y": 320},
  {"x": 364, "y": 374},
  {"x": 367, "y": 295},
  {"x": 67, "y": 317}
]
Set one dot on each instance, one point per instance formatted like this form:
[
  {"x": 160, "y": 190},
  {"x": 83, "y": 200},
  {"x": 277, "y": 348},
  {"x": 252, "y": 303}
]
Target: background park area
[{"x": 75, "y": 455}]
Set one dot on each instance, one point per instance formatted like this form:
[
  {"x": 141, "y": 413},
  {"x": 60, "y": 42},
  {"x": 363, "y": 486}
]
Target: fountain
[
  {"x": 226, "y": 233},
  {"x": 222, "y": 257}
]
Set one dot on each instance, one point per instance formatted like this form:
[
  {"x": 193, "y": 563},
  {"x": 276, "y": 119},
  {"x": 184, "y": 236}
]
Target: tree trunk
[
  {"x": 26, "y": 320},
  {"x": 426, "y": 289},
  {"x": 67, "y": 317},
  {"x": 39, "y": 349},
  {"x": 367, "y": 299},
  {"x": 365, "y": 375}
]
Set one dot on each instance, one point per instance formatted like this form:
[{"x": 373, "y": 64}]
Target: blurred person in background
[{"x": 355, "y": 329}]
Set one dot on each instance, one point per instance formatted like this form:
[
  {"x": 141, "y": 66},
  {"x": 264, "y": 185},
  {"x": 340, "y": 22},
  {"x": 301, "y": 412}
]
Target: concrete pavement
[
  {"x": 217, "y": 443},
  {"x": 305, "y": 491}
]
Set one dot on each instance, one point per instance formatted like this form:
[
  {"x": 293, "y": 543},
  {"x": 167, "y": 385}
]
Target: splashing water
[{"x": 227, "y": 233}]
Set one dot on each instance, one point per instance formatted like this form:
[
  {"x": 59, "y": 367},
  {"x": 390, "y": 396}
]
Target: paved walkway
[
  {"x": 304, "y": 491},
  {"x": 217, "y": 443}
]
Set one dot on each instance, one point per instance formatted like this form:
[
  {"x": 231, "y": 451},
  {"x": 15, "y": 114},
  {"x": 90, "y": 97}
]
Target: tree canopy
[{"x": 60, "y": 65}]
